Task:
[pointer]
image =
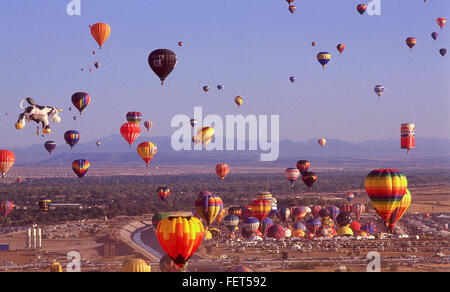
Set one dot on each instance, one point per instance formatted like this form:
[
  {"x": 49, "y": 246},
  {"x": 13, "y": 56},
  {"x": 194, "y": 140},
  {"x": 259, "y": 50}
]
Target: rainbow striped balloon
[
  {"x": 400, "y": 210},
  {"x": 80, "y": 167},
  {"x": 264, "y": 196},
  {"x": 385, "y": 188},
  {"x": 81, "y": 100},
  {"x": 260, "y": 209},
  {"x": 208, "y": 207}
]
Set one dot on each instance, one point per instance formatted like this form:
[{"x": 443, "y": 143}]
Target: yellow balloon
[
  {"x": 239, "y": 100},
  {"x": 136, "y": 265}
]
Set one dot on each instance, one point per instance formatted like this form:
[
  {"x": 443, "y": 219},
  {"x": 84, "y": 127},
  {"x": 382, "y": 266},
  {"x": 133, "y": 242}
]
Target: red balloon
[{"x": 130, "y": 132}]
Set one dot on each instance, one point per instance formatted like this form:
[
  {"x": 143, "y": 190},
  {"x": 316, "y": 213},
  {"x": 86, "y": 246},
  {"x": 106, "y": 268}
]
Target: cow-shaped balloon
[{"x": 38, "y": 114}]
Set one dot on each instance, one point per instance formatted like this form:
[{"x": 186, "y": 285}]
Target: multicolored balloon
[
  {"x": 408, "y": 136},
  {"x": 80, "y": 167},
  {"x": 350, "y": 197},
  {"x": 333, "y": 211},
  {"x": 81, "y": 100},
  {"x": 309, "y": 178},
  {"x": 205, "y": 135},
  {"x": 72, "y": 137},
  {"x": 44, "y": 204},
  {"x": 134, "y": 117},
  {"x": 163, "y": 193},
  {"x": 292, "y": 8},
  {"x": 147, "y": 150},
  {"x": 180, "y": 237},
  {"x": 313, "y": 225},
  {"x": 303, "y": 166},
  {"x": 434, "y": 35},
  {"x": 130, "y": 132},
  {"x": 5, "y": 208},
  {"x": 385, "y": 188},
  {"x": 411, "y": 42},
  {"x": 341, "y": 48},
  {"x": 441, "y": 21},
  {"x": 400, "y": 210},
  {"x": 231, "y": 221},
  {"x": 276, "y": 231},
  {"x": 209, "y": 207},
  {"x": 358, "y": 209},
  {"x": 323, "y": 58},
  {"x": 251, "y": 225},
  {"x": 260, "y": 209},
  {"x": 239, "y": 100},
  {"x": 379, "y": 90},
  {"x": 206, "y": 88},
  {"x": 298, "y": 213},
  {"x": 148, "y": 125},
  {"x": 322, "y": 142},
  {"x": 361, "y": 8}
]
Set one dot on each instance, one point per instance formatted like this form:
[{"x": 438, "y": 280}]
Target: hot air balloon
[
  {"x": 235, "y": 211},
  {"x": 443, "y": 52},
  {"x": 222, "y": 170},
  {"x": 205, "y": 135},
  {"x": 309, "y": 178},
  {"x": 435, "y": 35},
  {"x": 379, "y": 90},
  {"x": 50, "y": 146},
  {"x": 44, "y": 204},
  {"x": 163, "y": 193},
  {"x": 408, "y": 136},
  {"x": 260, "y": 208},
  {"x": 358, "y": 209},
  {"x": 147, "y": 150},
  {"x": 441, "y": 21},
  {"x": 148, "y": 125},
  {"x": 323, "y": 58},
  {"x": 239, "y": 101},
  {"x": 313, "y": 44},
  {"x": 130, "y": 132},
  {"x": 290, "y": 1},
  {"x": 75, "y": 118},
  {"x": 276, "y": 231},
  {"x": 97, "y": 65},
  {"x": 292, "y": 175},
  {"x": 316, "y": 210},
  {"x": 345, "y": 231},
  {"x": 264, "y": 196},
  {"x": 369, "y": 228},
  {"x": 193, "y": 122},
  {"x": 355, "y": 226},
  {"x": 220, "y": 87},
  {"x": 5, "y": 208},
  {"x": 230, "y": 222},
  {"x": 299, "y": 226},
  {"x": 292, "y": 8},
  {"x": 80, "y": 167},
  {"x": 72, "y": 137},
  {"x": 350, "y": 197},
  {"x": 312, "y": 225},
  {"x": 167, "y": 265},
  {"x": 298, "y": 213},
  {"x": 203, "y": 193},
  {"x": 162, "y": 62},
  {"x": 209, "y": 207},
  {"x": 333, "y": 211},
  {"x": 322, "y": 142},
  {"x": 157, "y": 217},
  {"x": 98, "y": 143},
  {"x": 136, "y": 265},
  {"x": 344, "y": 219},
  {"x": 284, "y": 214},
  {"x": 341, "y": 48},
  {"x": 361, "y": 8},
  {"x": 81, "y": 100},
  {"x": 134, "y": 117},
  {"x": 100, "y": 32},
  {"x": 19, "y": 180},
  {"x": 180, "y": 44},
  {"x": 400, "y": 210},
  {"x": 411, "y": 42},
  {"x": 303, "y": 166},
  {"x": 265, "y": 225},
  {"x": 385, "y": 188},
  {"x": 206, "y": 88},
  {"x": 251, "y": 225},
  {"x": 292, "y": 79},
  {"x": 180, "y": 237}
]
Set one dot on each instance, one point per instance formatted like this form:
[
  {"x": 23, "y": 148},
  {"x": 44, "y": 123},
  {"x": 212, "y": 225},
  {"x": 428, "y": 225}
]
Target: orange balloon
[
  {"x": 222, "y": 170},
  {"x": 147, "y": 150},
  {"x": 7, "y": 159},
  {"x": 100, "y": 32}
]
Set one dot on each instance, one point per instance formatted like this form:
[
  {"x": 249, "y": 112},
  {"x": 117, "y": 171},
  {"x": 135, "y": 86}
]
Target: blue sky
[{"x": 250, "y": 47}]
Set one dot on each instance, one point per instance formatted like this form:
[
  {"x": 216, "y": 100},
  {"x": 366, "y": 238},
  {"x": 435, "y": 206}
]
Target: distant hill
[{"x": 114, "y": 149}]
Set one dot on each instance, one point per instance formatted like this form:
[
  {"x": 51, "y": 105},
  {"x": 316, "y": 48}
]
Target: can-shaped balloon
[{"x": 408, "y": 136}]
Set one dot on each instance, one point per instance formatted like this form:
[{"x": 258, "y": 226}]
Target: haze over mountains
[{"x": 430, "y": 151}]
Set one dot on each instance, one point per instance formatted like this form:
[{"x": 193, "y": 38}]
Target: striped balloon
[
  {"x": 7, "y": 159},
  {"x": 323, "y": 58},
  {"x": 100, "y": 32},
  {"x": 334, "y": 212},
  {"x": 81, "y": 100},
  {"x": 235, "y": 211},
  {"x": 385, "y": 188},
  {"x": 299, "y": 226},
  {"x": 80, "y": 167},
  {"x": 312, "y": 225},
  {"x": 411, "y": 42},
  {"x": 276, "y": 231},
  {"x": 298, "y": 213},
  {"x": 292, "y": 175},
  {"x": 251, "y": 225},
  {"x": 260, "y": 209},
  {"x": 264, "y": 196},
  {"x": 222, "y": 170},
  {"x": 209, "y": 207},
  {"x": 400, "y": 210},
  {"x": 5, "y": 208},
  {"x": 230, "y": 222},
  {"x": 130, "y": 132},
  {"x": 147, "y": 150},
  {"x": 180, "y": 237},
  {"x": 44, "y": 204},
  {"x": 265, "y": 224},
  {"x": 303, "y": 166},
  {"x": 148, "y": 125},
  {"x": 72, "y": 138},
  {"x": 134, "y": 117},
  {"x": 350, "y": 197}
]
